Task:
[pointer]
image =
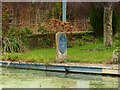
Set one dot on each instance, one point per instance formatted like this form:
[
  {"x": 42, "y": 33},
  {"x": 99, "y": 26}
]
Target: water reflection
[{"x": 22, "y": 78}]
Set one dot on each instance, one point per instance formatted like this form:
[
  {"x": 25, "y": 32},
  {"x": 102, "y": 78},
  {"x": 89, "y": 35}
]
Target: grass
[{"x": 91, "y": 53}]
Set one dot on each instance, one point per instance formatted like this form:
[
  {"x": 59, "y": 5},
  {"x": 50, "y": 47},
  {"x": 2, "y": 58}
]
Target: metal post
[{"x": 64, "y": 5}]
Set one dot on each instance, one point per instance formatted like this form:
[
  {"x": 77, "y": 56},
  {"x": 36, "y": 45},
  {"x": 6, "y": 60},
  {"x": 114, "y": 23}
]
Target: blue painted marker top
[{"x": 62, "y": 43}]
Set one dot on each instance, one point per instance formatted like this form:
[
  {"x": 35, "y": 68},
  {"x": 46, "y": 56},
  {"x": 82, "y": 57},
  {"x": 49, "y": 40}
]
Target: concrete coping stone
[
  {"x": 70, "y": 67},
  {"x": 103, "y": 66}
]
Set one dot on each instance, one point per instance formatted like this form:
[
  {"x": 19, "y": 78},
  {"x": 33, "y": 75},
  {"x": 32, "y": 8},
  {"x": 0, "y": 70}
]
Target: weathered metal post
[{"x": 64, "y": 6}]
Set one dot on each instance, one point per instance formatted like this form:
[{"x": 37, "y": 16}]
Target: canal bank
[{"x": 100, "y": 69}]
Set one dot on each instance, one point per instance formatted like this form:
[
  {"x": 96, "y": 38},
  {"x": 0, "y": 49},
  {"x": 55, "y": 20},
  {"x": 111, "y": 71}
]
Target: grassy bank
[{"x": 91, "y": 53}]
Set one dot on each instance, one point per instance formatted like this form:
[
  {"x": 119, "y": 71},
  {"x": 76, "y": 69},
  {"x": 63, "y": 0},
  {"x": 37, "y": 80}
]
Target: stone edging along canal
[{"x": 67, "y": 68}]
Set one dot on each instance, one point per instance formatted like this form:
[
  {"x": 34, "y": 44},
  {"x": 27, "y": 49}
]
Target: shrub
[
  {"x": 116, "y": 56},
  {"x": 16, "y": 40},
  {"x": 80, "y": 42},
  {"x": 80, "y": 39},
  {"x": 42, "y": 29},
  {"x": 117, "y": 40}
]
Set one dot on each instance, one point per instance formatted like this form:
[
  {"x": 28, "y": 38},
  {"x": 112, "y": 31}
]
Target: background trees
[{"x": 82, "y": 16}]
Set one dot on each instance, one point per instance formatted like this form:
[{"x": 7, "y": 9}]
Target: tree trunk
[{"x": 108, "y": 11}]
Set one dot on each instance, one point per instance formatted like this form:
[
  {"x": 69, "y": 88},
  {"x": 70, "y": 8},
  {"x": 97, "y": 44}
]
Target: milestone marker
[{"x": 61, "y": 47}]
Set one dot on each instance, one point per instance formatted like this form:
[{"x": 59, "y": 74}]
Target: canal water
[{"x": 23, "y": 78}]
